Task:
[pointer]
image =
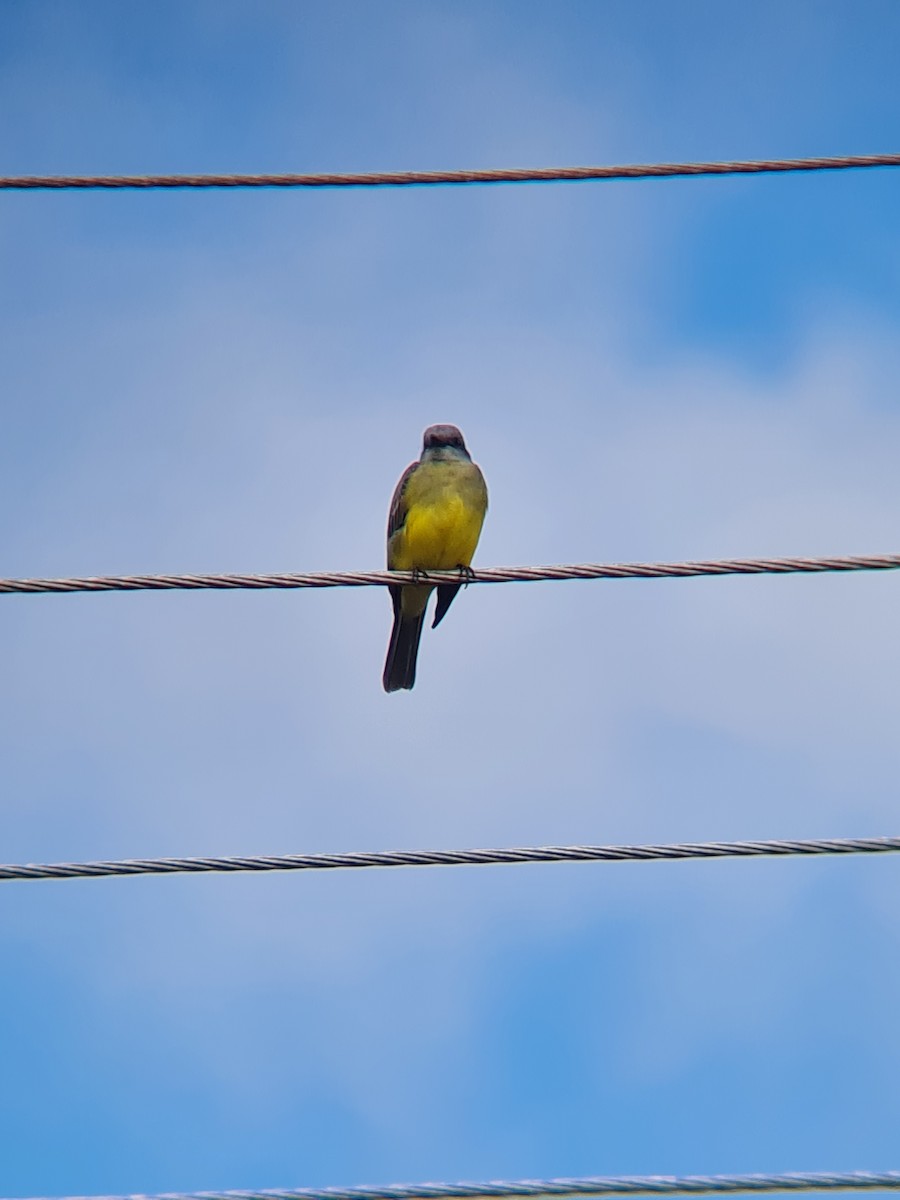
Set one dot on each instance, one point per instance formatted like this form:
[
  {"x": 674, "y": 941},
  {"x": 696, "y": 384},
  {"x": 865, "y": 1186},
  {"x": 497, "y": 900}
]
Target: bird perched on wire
[{"x": 434, "y": 524}]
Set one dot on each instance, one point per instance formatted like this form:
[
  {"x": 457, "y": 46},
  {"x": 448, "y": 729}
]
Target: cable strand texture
[
  {"x": 325, "y": 579},
  {"x": 528, "y": 1189},
  {"x": 450, "y": 858},
  {"x": 371, "y": 179}
]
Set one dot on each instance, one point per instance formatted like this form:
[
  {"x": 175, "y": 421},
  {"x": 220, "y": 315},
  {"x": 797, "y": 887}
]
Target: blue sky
[{"x": 234, "y": 382}]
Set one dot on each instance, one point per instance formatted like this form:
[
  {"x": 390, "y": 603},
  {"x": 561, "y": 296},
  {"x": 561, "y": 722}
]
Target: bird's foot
[
  {"x": 419, "y": 576},
  {"x": 466, "y": 574}
]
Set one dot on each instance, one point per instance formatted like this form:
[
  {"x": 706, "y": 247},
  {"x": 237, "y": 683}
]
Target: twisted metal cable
[
  {"x": 371, "y": 179},
  {"x": 528, "y": 1189},
  {"x": 449, "y": 858},
  {"x": 325, "y": 579}
]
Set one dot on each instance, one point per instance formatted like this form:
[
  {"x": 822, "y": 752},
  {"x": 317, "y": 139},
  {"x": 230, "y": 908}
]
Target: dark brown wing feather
[
  {"x": 446, "y": 594},
  {"x": 397, "y": 514}
]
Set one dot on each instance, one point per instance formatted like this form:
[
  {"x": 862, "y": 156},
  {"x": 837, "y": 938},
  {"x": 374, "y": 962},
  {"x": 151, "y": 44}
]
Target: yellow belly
[{"x": 439, "y": 536}]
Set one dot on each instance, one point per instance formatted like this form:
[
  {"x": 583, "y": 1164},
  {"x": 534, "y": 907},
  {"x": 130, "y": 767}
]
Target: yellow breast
[{"x": 445, "y": 507}]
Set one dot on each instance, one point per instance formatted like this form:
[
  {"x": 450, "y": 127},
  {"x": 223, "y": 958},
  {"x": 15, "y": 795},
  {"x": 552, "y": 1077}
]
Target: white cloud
[{"x": 249, "y": 406}]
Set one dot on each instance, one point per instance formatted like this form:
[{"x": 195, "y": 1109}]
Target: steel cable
[
  {"x": 449, "y": 858},
  {"x": 326, "y": 579},
  {"x": 372, "y": 179},
  {"x": 529, "y": 1189}
]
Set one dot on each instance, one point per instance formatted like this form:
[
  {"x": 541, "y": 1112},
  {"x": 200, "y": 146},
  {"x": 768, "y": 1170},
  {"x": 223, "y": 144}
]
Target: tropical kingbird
[{"x": 434, "y": 524}]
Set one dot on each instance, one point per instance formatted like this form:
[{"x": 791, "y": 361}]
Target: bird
[{"x": 434, "y": 524}]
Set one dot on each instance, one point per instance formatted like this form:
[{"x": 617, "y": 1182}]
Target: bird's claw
[{"x": 466, "y": 575}]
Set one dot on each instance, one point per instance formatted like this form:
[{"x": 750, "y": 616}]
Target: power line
[
  {"x": 328, "y": 579},
  {"x": 371, "y": 179},
  {"x": 528, "y": 1189},
  {"x": 449, "y": 858}
]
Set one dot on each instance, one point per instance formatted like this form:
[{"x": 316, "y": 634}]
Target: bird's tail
[{"x": 400, "y": 666}]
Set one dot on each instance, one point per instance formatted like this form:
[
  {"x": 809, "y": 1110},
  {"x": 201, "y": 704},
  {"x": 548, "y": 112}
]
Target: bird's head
[{"x": 440, "y": 440}]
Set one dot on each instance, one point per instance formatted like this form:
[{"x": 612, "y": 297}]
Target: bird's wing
[{"x": 397, "y": 514}]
